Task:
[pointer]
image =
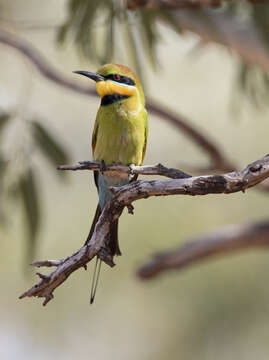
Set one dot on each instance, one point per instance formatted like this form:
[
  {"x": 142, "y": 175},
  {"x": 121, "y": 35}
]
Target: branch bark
[
  {"x": 219, "y": 243},
  {"x": 131, "y": 170},
  {"x": 124, "y": 196}
]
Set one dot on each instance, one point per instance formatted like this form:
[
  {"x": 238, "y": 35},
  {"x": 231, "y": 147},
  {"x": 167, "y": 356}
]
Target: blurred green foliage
[
  {"x": 91, "y": 25},
  {"x": 215, "y": 310},
  {"x": 99, "y": 29},
  {"x": 49, "y": 146},
  {"x": 28, "y": 190},
  {"x": 252, "y": 80},
  {"x": 18, "y": 180}
]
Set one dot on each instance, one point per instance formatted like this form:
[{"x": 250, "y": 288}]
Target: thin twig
[
  {"x": 124, "y": 196},
  {"x": 47, "y": 263},
  {"x": 132, "y": 169},
  {"x": 227, "y": 240}
]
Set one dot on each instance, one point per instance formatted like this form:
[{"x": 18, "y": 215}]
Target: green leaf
[
  {"x": 149, "y": 35},
  {"x": 132, "y": 46},
  {"x": 4, "y": 117},
  {"x": 109, "y": 37},
  {"x": 254, "y": 83},
  {"x": 168, "y": 17},
  {"x": 260, "y": 14},
  {"x": 62, "y": 32},
  {"x": 3, "y": 164},
  {"x": 80, "y": 26},
  {"x": 30, "y": 198},
  {"x": 49, "y": 146},
  {"x": 2, "y": 170}
]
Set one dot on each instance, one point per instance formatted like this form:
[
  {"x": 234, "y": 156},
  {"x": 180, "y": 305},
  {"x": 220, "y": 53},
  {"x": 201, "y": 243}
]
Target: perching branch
[
  {"x": 124, "y": 196},
  {"x": 217, "y": 158},
  {"x": 227, "y": 240},
  {"x": 131, "y": 170}
]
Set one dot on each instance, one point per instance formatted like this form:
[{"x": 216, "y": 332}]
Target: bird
[{"x": 119, "y": 137}]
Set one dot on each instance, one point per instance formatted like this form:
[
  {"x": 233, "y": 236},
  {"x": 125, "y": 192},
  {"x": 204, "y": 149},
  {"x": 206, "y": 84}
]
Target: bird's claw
[
  {"x": 103, "y": 167},
  {"x": 131, "y": 169}
]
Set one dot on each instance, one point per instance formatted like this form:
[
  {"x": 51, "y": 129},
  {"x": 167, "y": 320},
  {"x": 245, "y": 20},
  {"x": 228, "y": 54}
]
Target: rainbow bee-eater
[{"x": 119, "y": 136}]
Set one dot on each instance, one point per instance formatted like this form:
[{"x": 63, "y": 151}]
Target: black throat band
[{"x": 113, "y": 98}]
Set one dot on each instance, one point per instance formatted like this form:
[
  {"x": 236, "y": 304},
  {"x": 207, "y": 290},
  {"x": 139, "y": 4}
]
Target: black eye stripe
[{"x": 121, "y": 79}]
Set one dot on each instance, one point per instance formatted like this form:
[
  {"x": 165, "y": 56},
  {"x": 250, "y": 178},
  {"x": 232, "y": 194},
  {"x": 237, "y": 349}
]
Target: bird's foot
[
  {"x": 103, "y": 167},
  {"x": 132, "y": 175},
  {"x": 131, "y": 169}
]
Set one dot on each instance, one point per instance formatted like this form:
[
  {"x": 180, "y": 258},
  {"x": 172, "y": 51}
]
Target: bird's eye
[{"x": 116, "y": 77}]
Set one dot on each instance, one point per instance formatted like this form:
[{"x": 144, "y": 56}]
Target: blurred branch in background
[
  {"x": 178, "y": 4},
  {"x": 217, "y": 158},
  {"x": 41, "y": 63},
  {"x": 173, "y": 4},
  {"x": 218, "y": 161},
  {"x": 240, "y": 26},
  {"x": 227, "y": 28},
  {"x": 124, "y": 196},
  {"x": 219, "y": 243}
]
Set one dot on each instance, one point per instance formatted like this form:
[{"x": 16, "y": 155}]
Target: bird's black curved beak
[{"x": 91, "y": 75}]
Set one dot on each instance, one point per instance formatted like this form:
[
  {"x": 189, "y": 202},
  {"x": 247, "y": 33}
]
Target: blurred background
[{"x": 208, "y": 65}]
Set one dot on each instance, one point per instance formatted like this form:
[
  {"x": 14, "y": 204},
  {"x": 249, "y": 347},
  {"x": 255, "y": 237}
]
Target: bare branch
[
  {"x": 124, "y": 196},
  {"x": 221, "y": 242},
  {"x": 132, "y": 169},
  {"x": 66, "y": 267},
  {"x": 48, "y": 283},
  {"x": 218, "y": 159},
  {"x": 47, "y": 263}
]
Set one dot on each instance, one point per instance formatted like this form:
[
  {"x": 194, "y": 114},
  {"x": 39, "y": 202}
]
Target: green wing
[
  {"x": 94, "y": 135},
  {"x": 146, "y": 136},
  {"x": 94, "y": 139}
]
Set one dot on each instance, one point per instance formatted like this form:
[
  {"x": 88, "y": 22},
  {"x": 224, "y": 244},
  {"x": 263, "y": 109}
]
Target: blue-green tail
[{"x": 103, "y": 183}]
